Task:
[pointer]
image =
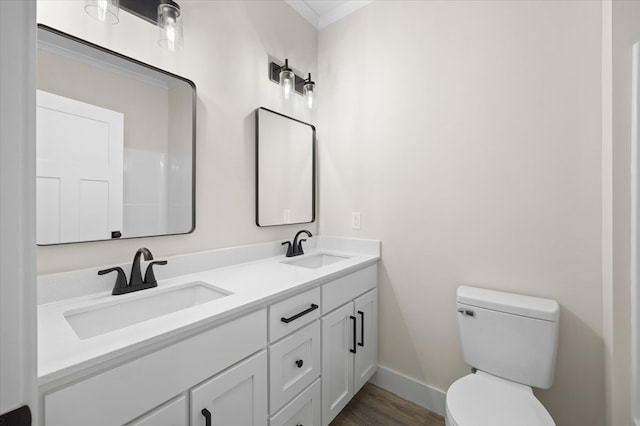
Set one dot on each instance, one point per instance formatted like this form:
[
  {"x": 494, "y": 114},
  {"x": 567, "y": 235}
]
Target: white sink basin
[
  {"x": 98, "y": 319},
  {"x": 316, "y": 261}
]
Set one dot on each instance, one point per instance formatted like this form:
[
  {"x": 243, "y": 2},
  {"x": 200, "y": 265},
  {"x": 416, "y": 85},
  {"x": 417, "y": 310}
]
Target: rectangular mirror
[
  {"x": 285, "y": 169},
  {"x": 115, "y": 145}
]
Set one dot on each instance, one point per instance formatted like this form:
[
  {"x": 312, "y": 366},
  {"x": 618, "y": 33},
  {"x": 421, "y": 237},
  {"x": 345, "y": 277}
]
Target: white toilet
[{"x": 511, "y": 341}]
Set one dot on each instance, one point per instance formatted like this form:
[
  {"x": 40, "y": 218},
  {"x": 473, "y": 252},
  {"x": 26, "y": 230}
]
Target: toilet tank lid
[{"x": 517, "y": 304}]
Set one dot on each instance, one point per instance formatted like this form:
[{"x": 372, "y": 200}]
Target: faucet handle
[
  {"x": 149, "y": 276},
  {"x": 289, "y": 248},
  {"x": 300, "y": 251},
  {"x": 121, "y": 279}
]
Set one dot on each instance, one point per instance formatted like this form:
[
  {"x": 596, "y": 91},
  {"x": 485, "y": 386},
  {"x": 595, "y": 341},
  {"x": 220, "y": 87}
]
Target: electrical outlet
[{"x": 355, "y": 220}]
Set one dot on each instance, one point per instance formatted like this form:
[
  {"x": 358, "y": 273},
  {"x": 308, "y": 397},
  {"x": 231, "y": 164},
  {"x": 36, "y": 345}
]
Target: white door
[
  {"x": 337, "y": 361},
  {"x": 366, "y": 357},
  {"x": 17, "y": 209},
  {"x": 236, "y": 397},
  {"x": 79, "y": 169}
]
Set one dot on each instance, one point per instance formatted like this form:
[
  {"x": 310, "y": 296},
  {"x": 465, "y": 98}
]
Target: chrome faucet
[
  {"x": 295, "y": 248},
  {"x": 135, "y": 280}
]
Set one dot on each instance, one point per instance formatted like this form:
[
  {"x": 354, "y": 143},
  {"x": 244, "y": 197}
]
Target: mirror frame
[
  {"x": 313, "y": 168},
  {"x": 193, "y": 129}
]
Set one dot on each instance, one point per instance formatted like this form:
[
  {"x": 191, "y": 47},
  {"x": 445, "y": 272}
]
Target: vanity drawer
[
  {"x": 340, "y": 291},
  {"x": 294, "y": 363},
  {"x": 304, "y": 410},
  {"x": 293, "y": 313},
  {"x": 121, "y": 394}
]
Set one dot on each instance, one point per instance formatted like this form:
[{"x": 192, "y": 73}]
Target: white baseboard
[{"x": 410, "y": 389}]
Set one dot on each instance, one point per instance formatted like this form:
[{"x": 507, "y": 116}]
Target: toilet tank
[{"x": 509, "y": 335}]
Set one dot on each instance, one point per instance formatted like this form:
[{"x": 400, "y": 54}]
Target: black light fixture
[
  {"x": 292, "y": 82},
  {"x": 163, "y": 13},
  {"x": 308, "y": 89}
]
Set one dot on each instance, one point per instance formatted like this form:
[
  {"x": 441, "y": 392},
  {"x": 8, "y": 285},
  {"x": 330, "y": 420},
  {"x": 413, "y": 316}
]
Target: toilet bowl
[
  {"x": 511, "y": 341},
  {"x": 484, "y": 400}
]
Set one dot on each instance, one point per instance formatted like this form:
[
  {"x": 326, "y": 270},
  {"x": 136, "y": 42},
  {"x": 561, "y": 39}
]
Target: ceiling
[{"x": 321, "y": 13}]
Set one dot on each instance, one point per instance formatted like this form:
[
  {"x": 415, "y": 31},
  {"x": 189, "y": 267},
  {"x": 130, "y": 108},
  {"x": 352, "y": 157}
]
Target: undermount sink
[
  {"x": 95, "y": 320},
  {"x": 316, "y": 261}
]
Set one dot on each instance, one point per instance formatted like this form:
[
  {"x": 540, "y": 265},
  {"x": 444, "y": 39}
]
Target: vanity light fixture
[
  {"x": 163, "y": 13},
  {"x": 292, "y": 83},
  {"x": 287, "y": 80},
  {"x": 308, "y": 91},
  {"x": 103, "y": 10},
  {"x": 170, "y": 25}
]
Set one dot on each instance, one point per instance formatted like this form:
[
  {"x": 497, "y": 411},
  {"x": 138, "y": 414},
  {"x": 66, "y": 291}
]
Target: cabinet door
[
  {"x": 236, "y": 397},
  {"x": 366, "y": 357},
  {"x": 173, "y": 413},
  {"x": 337, "y": 361}
]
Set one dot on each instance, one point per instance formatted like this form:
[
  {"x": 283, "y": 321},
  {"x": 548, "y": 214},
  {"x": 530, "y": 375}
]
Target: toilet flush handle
[{"x": 467, "y": 312}]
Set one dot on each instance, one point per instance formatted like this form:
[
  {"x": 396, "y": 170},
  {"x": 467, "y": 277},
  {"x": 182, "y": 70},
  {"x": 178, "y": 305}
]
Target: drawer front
[
  {"x": 294, "y": 363},
  {"x": 340, "y": 291},
  {"x": 173, "y": 413},
  {"x": 293, "y": 313},
  {"x": 121, "y": 394},
  {"x": 304, "y": 410}
]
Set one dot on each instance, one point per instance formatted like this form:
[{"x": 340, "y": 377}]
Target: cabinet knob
[
  {"x": 299, "y": 363},
  {"x": 207, "y": 416}
]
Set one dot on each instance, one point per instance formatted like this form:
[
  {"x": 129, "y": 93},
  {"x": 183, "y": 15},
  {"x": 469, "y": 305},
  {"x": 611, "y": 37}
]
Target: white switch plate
[{"x": 355, "y": 220}]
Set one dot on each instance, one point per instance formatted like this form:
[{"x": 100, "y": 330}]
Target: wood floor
[{"x": 374, "y": 406}]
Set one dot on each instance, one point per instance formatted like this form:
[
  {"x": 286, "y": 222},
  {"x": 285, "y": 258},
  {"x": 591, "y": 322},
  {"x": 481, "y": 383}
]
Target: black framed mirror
[
  {"x": 285, "y": 169},
  {"x": 115, "y": 145}
]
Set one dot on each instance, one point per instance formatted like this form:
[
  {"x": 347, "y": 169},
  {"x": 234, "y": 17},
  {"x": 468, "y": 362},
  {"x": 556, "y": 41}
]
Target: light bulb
[
  {"x": 308, "y": 91},
  {"x": 170, "y": 25},
  {"x": 286, "y": 86},
  {"x": 286, "y": 80},
  {"x": 170, "y": 31},
  {"x": 309, "y": 96},
  {"x": 103, "y": 10}
]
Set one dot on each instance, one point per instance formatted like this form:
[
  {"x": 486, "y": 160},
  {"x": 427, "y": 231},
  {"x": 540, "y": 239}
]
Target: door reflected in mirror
[
  {"x": 285, "y": 163},
  {"x": 115, "y": 143}
]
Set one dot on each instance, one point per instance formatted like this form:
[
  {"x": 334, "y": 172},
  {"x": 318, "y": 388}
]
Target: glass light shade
[
  {"x": 170, "y": 26},
  {"x": 103, "y": 10},
  {"x": 308, "y": 91},
  {"x": 287, "y": 81}
]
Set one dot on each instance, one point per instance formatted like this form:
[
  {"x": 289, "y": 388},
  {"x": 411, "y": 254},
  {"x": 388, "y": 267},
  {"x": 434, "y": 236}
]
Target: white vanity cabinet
[
  {"x": 349, "y": 339},
  {"x": 236, "y": 397},
  {"x": 126, "y": 392},
  {"x": 295, "y": 360}
]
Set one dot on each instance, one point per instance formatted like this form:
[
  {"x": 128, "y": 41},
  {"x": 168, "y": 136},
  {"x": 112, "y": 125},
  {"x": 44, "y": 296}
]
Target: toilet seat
[{"x": 484, "y": 400}]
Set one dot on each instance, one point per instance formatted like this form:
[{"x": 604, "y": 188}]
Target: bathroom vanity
[{"x": 240, "y": 336}]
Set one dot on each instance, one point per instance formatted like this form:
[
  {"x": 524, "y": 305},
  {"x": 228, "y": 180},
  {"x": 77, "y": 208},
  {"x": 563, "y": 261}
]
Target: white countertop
[{"x": 253, "y": 285}]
